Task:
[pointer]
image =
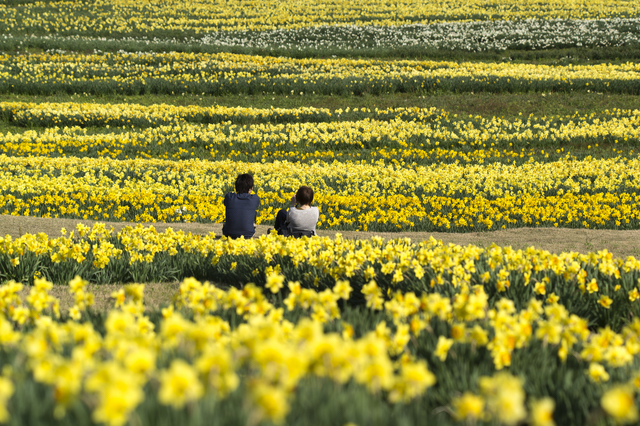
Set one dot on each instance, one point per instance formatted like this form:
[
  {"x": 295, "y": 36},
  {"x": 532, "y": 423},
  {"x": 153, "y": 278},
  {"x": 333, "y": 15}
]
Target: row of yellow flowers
[
  {"x": 594, "y": 281},
  {"x": 588, "y": 193},
  {"x": 338, "y": 257},
  {"x": 364, "y": 139},
  {"x": 30, "y": 175},
  {"x": 400, "y": 261},
  {"x": 400, "y": 128},
  {"x": 101, "y": 114},
  {"x": 80, "y": 113},
  {"x": 263, "y": 71},
  {"x": 109, "y": 17}
]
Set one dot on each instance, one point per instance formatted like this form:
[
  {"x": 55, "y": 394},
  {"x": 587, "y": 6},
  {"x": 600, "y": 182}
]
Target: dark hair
[
  {"x": 244, "y": 183},
  {"x": 304, "y": 195}
]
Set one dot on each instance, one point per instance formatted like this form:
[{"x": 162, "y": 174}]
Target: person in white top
[{"x": 301, "y": 218}]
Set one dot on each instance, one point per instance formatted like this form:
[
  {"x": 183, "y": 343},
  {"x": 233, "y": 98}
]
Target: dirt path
[{"x": 620, "y": 243}]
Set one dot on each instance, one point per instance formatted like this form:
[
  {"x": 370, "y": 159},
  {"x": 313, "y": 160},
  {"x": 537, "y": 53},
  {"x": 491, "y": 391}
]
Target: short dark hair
[
  {"x": 304, "y": 195},
  {"x": 244, "y": 183}
]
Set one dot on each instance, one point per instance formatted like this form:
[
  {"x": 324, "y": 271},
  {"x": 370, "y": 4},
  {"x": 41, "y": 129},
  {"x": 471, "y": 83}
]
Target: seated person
[
  {"x": 301, "y": 219},
  {"x": 241, "y": 209}
]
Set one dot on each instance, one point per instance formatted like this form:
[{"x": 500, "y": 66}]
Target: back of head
[
  {"x": 304, "y": 195},
  {"x": 244, "y": 183}
]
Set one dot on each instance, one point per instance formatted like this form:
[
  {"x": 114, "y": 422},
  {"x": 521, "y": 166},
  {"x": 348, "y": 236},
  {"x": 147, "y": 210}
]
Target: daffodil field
[
  {"x": 433, "y": 331},
  {"x": 384, "y": 170},
  {"x": 130, "y": 111},
  {"x": 404, "y": 332}
]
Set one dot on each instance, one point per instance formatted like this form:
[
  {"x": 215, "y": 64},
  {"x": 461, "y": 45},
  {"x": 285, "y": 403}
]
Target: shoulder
[{"x": 311, "y": 211}]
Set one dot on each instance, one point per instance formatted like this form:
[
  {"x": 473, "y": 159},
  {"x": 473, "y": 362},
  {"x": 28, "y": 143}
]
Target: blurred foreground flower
[
  {"x": 505, "y": 397},
  {"x": 542, "y": 412},
  {"x": 271, "y": 402},
  {"x": 6, "y": 390},
  {"x": 468, "y": 407},
  {"x": 179, "y": 385},
  {"x": 619, "y": 403}
]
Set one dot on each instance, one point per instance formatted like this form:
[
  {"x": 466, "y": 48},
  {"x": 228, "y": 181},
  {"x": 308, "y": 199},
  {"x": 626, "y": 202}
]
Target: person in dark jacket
[{"x": 241, "y": 207}]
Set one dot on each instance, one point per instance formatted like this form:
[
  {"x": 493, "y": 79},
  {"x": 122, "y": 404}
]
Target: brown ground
[{"x": 620, "y": 243}]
